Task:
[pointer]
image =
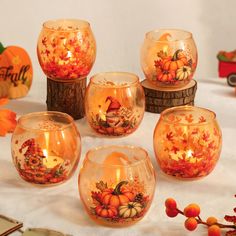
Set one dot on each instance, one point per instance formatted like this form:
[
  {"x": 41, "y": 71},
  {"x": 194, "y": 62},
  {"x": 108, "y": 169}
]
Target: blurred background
[{"x": 120, "y": 26}]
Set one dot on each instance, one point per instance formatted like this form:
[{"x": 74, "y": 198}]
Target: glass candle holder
[
  {"x": 46, "y": 147},
  {"x": 66, "y": 52},
  {"x": 66, "y": 49},
  {"x": 169, "y": 57},
  {"x": 114, "y": 103},
  {"x": 187, "y": 142},
  {"x": 116, "y": 184}
]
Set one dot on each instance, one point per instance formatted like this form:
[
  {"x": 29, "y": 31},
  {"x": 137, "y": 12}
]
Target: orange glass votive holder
[
  {"x": 46, "y": 147},
  {"x": 66, "y": 49},
  {"x": 114, "y": 103},
  {"x": 117, "y": 184},
  {"x": 169, "y": 57},
  {"x": 187, "y": 142}
]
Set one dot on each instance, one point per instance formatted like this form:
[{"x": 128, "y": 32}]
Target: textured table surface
[{"x": 60, "y": 207}]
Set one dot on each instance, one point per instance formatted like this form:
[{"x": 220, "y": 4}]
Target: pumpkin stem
[
  {"x": 118, "y": 186},
  {"x": 1, "y": 48},
  {"x": 175, "y": 56}
]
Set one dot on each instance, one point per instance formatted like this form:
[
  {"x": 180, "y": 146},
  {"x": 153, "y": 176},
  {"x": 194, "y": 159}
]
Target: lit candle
[
  {"x": 113, "y": 159},
  {"x": 51, "y": 161}
]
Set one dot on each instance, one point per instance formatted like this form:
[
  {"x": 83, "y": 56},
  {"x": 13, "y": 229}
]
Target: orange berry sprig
[{"x": 192, "y": 213}]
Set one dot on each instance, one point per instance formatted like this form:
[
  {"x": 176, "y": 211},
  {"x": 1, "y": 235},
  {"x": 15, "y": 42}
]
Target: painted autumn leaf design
[
  {"x": 7, "y": 119},
  {"x": 189, "y": 118},
  {"x": 101, "y": 186},
  {"x": 170, "y": 136},
  {"x": 201, "y": 119}
]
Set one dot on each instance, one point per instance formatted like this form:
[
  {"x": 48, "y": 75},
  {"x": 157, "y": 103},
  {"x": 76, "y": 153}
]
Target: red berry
[
  {"x": 192, "y": 210},
  {"x": 170, "y": 203},
  {"x": 190, "y": 224},
  {"x": 171, "y": 212},
  {"x": 211, "y": 220},
  {"x": 214, "y": 230}
]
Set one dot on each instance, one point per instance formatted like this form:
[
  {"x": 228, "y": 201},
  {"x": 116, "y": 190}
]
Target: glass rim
[
  {"x": 81, "y": 24},
  {"x": 135, "y": 163},
  {"x": 110, "y": 73},
  {"x": 149, "y": 33},
  {"x": 45, "y": 113},
  {"x": 187, "y": 107}
]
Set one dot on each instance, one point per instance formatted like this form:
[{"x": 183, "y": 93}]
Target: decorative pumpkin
[
  {"x": 166, "y": 76},
  {"x": 117, "y": 197},
  {"x": 176, "y": 62},
  {"x": 183, "y": 73},
  {"x": 4, "y": 87},
  {"x": 130, "y": 209},
  {"x": 106, "y": 211},
  {"x": 15, "y": 68},
  {"x": 18, "y": 91}
]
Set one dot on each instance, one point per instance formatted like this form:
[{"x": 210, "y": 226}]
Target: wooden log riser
[
  {"x": 158, "y": 99},
  {"x": 67, "y": 97}
]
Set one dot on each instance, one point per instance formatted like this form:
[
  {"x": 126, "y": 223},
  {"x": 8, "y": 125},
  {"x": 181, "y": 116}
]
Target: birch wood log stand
[
  {"x": 158, "y": 99},
  {"x": 67, "y": 96}
]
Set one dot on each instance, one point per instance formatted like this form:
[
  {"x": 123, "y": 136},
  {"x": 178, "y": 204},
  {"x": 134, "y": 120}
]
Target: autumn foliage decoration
[
  {"x": 7, "y": 119},
  {"x": 66, "y": 49},
  {"x": 193, "y": 219},
  {"x": 187, "y": 142}
]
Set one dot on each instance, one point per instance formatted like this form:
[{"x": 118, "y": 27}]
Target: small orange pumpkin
[
  {"x": 177, "y": 61},
  {"x": 117, "y": 197},
  {"x": 106, "y": 211},
  {"x": 166, "y": 76},
  {"x": 15, "y": 68}
]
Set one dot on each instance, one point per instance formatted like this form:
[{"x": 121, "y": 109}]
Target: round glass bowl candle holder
[
  {"x": 169, "y": 57},
  {"x": 46, "y": 147},
  {"x": 117, "y": 184},
  {"x": 114, "y": 103},
  {"x": 187, "y": 142},
  {"x": 66, "y": 51}
]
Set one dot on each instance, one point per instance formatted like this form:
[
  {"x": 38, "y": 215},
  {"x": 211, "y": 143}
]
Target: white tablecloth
[{"x": 60, "y": 207}]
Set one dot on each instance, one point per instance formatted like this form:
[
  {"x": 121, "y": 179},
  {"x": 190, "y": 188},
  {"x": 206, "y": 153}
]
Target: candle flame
[
  {"x": 45, "y": 152},
  {"x": 189, "y": 153},
  {"x": 117, "y": 175},
  {"x": 165, "y": 49},
  {"x": 69, "y": 54}
]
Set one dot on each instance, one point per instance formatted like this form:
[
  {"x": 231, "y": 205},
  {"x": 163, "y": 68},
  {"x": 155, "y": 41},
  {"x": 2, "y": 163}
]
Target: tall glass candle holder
[
  {"x": 114, "y": 103},
  {"x": 169, "y": 57},
  {"x": 46, "y": 147},
  {"x": 66, "y": 52},
  {"x": 187, "y": 142},
  {"x": 116, "y": 184}
]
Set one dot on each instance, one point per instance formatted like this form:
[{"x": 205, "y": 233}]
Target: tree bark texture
[
  {"x": 67, "y": 96},
  {"x": 158, "y": 99}
]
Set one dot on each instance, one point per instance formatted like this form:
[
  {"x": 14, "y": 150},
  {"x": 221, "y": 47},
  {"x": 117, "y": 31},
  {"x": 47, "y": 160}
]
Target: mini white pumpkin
[
  {"x": 183, "y": 73},
  {"x": 130, "y": 209},
  {"x": 18, "y": 91}
]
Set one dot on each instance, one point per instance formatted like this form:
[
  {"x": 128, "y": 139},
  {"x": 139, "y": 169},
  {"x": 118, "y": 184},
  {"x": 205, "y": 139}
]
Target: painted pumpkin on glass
[
  {"x": 130, "y": 209},
  {"x": 176, "y": 62},
  {"x": 166, "y": 75},
  {"x": 117, "y": 197},
  {"x": 166, "y": 50},
  {"x": 106, "y": 211},
  {"x": 15, "y": 71},
  {"x": 183, "y": 73}
]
